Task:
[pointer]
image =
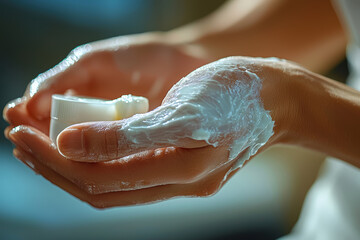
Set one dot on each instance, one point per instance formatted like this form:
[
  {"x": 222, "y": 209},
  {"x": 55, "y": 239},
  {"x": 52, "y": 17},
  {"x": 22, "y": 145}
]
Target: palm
[
  {"x": 148, "y": 70},
  {"x": 137, "y": 174}
]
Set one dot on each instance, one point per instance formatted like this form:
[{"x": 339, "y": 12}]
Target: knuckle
[
  {"x": 100, "y": 142},
  {"x": 111, "y": 139}
]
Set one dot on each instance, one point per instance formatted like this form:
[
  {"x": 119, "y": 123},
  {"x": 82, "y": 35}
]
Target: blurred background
[{"x": 261, "y": 202}]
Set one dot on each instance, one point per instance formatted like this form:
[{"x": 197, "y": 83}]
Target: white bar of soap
[{"x": 69, "y": 110}]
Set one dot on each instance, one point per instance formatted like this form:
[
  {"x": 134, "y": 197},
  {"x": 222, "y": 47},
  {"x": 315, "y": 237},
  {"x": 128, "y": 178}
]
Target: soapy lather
[{"x": 218, "y": 103}]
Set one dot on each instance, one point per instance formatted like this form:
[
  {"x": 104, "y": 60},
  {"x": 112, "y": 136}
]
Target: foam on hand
[
  {"x": 69, "y": 110},
  {"x": 218, "y": 103}
]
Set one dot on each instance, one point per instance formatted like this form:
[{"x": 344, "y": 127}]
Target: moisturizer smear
[{"x": 218, "y": 103}]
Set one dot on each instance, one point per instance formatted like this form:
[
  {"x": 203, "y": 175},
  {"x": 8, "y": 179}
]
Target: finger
[
  {"x": 51, "y": 175},
  {"x": 205, "y": 187},
  {"x": 7, "y": 131},
  {"x": 17, "y": 114},
  {"x": 22, "y": 156},
  {"x": 12, "y": 104},
  {"x": 102, "y": 141},
  {"x": 142, "y": 170},
  {"x": 57, "y": 80}
]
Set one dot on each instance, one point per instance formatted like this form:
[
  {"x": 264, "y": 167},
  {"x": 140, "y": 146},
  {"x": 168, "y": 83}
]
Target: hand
[
  {"x": 143, "y": 65},
  {"x": 149, "y": 177},
  {"x": 159, "y": 168}
]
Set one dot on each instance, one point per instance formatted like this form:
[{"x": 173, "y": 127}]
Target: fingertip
[
  {"x": 7, "y": 131},
  {"x": 17, "y": 153},
  {"x": 24, "y": 133},
  {"x": 14, "y": 131},
  {"x": 70, "y": 143},
  {"x": 39, "y": 105},
  {"x": 17, "y": 136},
  {"x": 10, "y": 107},
  {"x": 25, "y": 158},
  {"x": 23, "y": 129}
]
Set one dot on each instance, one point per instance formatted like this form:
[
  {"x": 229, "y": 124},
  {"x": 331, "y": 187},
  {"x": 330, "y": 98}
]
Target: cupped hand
[
  {"x": 142, "y": 65},
  {"x": 145, "y": 177},
  {"x": 188, "y": 146}
]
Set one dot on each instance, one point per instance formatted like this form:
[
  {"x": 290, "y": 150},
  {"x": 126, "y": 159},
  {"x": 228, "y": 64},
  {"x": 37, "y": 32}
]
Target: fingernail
[{"x": 70, "y": 143}]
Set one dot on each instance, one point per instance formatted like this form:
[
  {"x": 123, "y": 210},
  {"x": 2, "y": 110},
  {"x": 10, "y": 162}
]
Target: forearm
[
  {"x": 304, "y": 31},
  {"x": 326, "y": 118}
]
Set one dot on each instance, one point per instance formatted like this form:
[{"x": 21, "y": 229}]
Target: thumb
[{"x": 101, "y": 141}]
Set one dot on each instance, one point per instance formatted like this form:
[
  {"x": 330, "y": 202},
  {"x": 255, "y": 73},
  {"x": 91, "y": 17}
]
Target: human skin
[
  {"x": 292, "y": 94},
  {"x": 163, "y": 173},
  {"x": 304, "y": 31}
]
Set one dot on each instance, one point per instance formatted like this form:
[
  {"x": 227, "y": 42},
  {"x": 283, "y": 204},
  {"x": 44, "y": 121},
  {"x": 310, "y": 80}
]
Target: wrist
[
  {"x": 284, "y": 94},
  {"x": 330, "y": 121},
  {"x": 314, "y": 112}
]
